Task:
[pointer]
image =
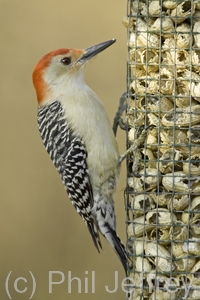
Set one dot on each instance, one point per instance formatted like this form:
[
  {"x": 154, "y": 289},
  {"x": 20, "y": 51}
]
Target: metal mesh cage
[{"x": 163, "y": 171}]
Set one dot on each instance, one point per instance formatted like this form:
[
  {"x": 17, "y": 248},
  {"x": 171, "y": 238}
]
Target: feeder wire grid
[{"x": 163, "y": 127}]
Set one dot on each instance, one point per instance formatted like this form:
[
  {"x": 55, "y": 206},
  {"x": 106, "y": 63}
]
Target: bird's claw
[
  {"x": 140, "y": 136},
  {"x": 118, "y": 121}
]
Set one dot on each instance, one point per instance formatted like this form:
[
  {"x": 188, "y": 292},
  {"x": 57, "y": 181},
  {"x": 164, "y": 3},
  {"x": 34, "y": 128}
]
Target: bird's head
[{"x": 62, "y": 67}]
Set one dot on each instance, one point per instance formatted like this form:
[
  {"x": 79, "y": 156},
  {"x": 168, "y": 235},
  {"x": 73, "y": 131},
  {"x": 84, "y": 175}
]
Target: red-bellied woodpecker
[{"x": 77, "y": 134}]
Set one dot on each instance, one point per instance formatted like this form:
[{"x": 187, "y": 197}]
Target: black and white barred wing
[{"x": 70, "y": 159}]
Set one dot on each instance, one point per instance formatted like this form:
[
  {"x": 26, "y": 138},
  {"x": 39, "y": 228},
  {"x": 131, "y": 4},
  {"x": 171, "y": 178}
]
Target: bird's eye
[{"x": 66, "y": 61}]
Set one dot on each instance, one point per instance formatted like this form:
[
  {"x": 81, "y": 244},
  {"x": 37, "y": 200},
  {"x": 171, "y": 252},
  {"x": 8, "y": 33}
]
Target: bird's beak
[{"x": 94, "y": 50}]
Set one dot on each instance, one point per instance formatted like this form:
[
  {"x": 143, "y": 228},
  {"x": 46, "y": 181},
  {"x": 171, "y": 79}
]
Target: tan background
[{"x": 39, "y": 229}]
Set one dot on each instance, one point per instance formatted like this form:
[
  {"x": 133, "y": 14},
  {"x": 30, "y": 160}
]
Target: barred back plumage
[{"x": 69, "y": 157}]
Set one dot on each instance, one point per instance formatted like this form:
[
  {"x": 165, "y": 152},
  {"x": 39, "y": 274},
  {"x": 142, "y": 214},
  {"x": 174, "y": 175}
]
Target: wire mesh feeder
[{"x": 163, "y": 185}]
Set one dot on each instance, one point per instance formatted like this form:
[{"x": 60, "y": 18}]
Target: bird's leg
[
  {"x": 140, "y": 138},
  {"x": 118, "y": 117}
]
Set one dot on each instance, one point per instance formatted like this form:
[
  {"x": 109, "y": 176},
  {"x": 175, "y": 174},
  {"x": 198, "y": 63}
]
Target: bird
[{"x": 76, "y": 132}]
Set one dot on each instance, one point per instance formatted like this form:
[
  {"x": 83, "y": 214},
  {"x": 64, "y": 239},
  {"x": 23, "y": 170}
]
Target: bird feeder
[{"x": 163, "y": 174}]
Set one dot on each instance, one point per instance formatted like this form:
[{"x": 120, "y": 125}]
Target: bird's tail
[
  {"x": 103, "y": 213},
  {"x": 113, "y": 239},
  {"x": 110, "y": 234},
  {"x": 117, "y": 245}
]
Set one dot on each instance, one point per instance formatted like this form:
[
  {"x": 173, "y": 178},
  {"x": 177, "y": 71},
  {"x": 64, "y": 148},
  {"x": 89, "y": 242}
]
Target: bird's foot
[
  {"x": 140, "y": 138},
  {"x": 118, "y": 121}
]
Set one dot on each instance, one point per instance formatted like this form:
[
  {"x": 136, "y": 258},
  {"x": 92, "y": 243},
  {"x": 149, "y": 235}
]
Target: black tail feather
[{"x": 120, "y": 250}]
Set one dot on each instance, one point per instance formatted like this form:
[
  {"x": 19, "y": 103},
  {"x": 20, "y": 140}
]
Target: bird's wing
[
  {"x": 76, "y": 178},
  {"x": 70, "y": 159}
]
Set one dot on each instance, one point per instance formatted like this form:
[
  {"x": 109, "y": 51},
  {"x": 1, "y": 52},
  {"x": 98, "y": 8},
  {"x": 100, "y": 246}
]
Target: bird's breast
[{"x": 89, "y": 120}]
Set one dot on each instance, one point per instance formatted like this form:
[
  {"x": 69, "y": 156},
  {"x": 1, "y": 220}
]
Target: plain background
[{"x": 39, "y": 228}]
